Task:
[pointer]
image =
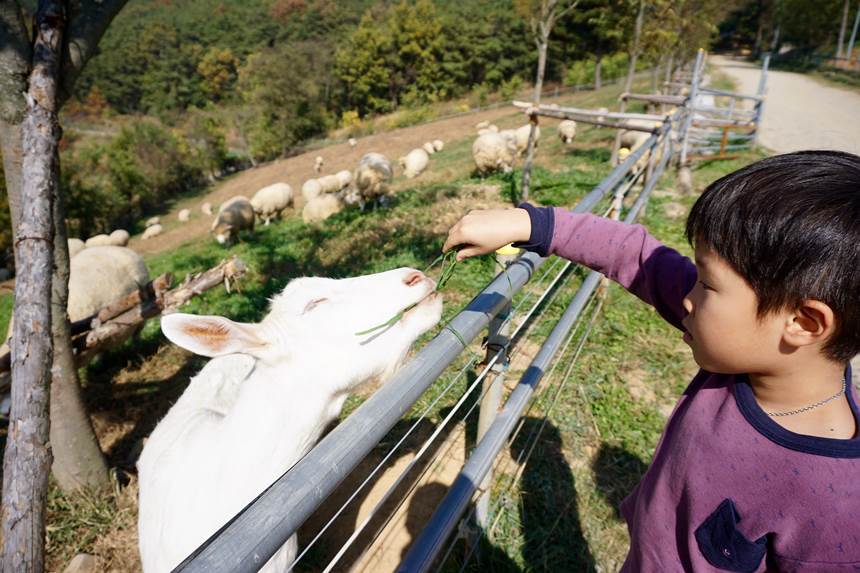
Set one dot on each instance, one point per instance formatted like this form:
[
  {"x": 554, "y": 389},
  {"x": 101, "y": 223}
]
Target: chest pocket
[{"x": 724, "y": 546}]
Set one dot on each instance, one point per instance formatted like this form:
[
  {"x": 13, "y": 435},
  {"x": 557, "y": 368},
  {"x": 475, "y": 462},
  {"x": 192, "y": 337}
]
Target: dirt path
[{"x": 800, "y": 112}]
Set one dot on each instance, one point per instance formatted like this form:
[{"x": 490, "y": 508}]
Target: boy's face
[{"x": 723, "y": 328}]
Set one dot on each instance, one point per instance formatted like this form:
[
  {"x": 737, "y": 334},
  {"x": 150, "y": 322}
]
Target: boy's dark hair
[{"x": 790, "y": 226}]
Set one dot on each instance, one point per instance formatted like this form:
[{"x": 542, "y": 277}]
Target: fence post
[
  {"x": 688, "y": 118},
  {"x": 759, "y": 106}
]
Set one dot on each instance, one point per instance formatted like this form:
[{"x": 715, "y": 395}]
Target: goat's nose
[{"x": 413, "y": 278}]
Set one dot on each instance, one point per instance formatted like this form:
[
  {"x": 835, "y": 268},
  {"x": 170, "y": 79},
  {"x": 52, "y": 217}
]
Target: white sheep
[
  {"x": 152, "y": 231},
  {"x": 428, "y": 147},
  {"x": 523, "y": 137},
  {"x": 602, "y": 111},
  {"x": 371, "y": 178},
  {"x": 321, "y": 208},
  {"x": 98, "y": 241},
  {"x": 318, "y": 164},
  {"x": 184, "y": 215},
  {"x": 344, "y": 177},
  {"x": 206, "y": 208},
  {"x": 352, "y": 142},
  {"x": 265, "y": 398},
  {"x": 310, "y": 189},
  {"x": 492, "y": 152},
  {"x": 270, "y": 201},
  {"x": 119, "y": 238},
  {"x": 632, "y": 138},
  {"x": 567, "y": 131},
  {"x": 489, "y": 129},
  {"x": 235, "y": 215},
  {"x": 438, "y": 144},
  {"x": 482, "y": 125},
  {"x": 75, "y": 246},
  {"x": 152, "y": 221},
  {"x": 329, "y": 183},
  {"x": 414, "y": 163}
]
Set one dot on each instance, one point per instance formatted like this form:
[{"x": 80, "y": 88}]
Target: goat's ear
[{"x": 211, "y": 335}]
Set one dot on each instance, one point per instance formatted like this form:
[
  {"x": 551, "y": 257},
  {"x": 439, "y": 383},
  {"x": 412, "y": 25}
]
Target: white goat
[{"x": 265, "y": 398}]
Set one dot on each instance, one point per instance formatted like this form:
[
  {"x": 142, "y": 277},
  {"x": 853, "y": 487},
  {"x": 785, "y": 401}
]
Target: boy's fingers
[{"x": 469, "y": 252}]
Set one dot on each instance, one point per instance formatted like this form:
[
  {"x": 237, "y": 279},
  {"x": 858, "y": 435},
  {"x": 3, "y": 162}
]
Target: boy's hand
[{"x": 482, "y": 232}]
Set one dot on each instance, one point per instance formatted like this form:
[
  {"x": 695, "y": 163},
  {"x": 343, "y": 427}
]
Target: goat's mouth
[{"x": 428, "y": 299}]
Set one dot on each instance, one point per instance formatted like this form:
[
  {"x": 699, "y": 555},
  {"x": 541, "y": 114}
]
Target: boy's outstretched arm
[{"x": 625, "y": 253}]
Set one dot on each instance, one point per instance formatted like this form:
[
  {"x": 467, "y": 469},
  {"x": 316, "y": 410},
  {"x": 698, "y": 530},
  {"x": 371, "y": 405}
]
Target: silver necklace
[{"x": 811, "y": 406}]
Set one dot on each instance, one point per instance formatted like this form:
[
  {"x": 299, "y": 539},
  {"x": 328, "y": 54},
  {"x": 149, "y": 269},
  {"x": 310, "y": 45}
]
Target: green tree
[
  {"x": 416, "y": 50},
  {"x": 217, "y": 69},
  {"x": 362, "y": 66}
]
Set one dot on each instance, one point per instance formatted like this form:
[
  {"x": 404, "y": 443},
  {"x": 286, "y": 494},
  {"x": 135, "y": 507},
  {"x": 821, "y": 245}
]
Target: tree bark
[
  {"x": 842, "y": 28},
  {"x": 78, "y": 459},
  {"x": 598, "y": 64},
  {"x": 28, "y": 455}
]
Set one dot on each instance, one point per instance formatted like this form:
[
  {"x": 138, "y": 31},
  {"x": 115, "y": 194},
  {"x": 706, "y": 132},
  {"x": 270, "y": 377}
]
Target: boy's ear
[
  {"x": 211, "y": 335},
  {"x": 810, "y": 323}
]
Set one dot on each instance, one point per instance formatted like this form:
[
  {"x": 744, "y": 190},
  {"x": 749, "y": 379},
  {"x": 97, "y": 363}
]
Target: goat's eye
[{"x": 313, "y": 304}]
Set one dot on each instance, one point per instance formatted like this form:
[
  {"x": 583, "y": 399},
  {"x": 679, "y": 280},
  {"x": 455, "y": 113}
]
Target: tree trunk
[
  {"x": 27, "y": 458},
  {"x": 631, "y": 71},
  {"x": 530, "y": 150},
  {"x": 842, "y": 28},
  {"x": 598, "y": 63},
  {"x": 78, "y": 459},
  {"x": 853, "y": 35}
]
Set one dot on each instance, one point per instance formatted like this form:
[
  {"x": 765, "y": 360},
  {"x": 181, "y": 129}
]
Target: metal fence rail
[
  {"x": 430, "y": 542},
  {"x": 248, "y": 540}
]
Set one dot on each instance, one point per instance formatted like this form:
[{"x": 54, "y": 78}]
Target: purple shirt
[{"x": 728, "y": 489}]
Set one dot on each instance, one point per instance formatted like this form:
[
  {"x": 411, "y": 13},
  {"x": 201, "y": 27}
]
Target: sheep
[
  {"x": 98, "y": 241},
  {"x": 371, "y": 178},
  {"x": 233, "y": 216},
  {"x": 567, "y": 131},
  {"x": 438, "y": 144},
  {"x": 75, "y": 247},
  {"x": 206, "y": 208},
  {"x": 152, "y": 231},
  {"x": 251, "y": 413},
  {"x": 489, "y": 129},
  {"x": 633, "y": 138},
  {"x": 482, "y": 125},
  {"x": 428, "y": 147},
  {"x": 352, "y": 142},
  {"x": 270, "y": 201},
  {"x": 329, "y": 183},
  {"x": 602, "y": 111},
  {"x": 522, "y": 140},
  {"x": 321, "y": 208},
  {"x": 310, "y": 189},
  {"x": 344, "y": 177},
  {"x": 414, "y": 163},
  {"x": 184, "y": 215},
  {"x": 152, "y": 221},
  {"x": 318, "y": 164},
  {"x": 119, "y": 238},
  {"x": 492, "y": 151}
]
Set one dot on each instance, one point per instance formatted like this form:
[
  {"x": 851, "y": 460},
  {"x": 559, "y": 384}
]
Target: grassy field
[{"x": 596, "y": 442}]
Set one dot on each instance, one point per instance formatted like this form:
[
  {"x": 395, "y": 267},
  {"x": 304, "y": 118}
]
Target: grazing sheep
[
  {"x": 152, "y": 231},
  {"x": 184, "y": 215},
  {"x": 233, "y": 216},
  {"x": 321, "y": 208},
  {"x": 493, "y": 152},
  {"x": 602, "y": 111},
  {"x": 310, "y": 189},
  {"x": 523, "y": 137},
  {"x": 371, "y": 178},
  {"x": 482, "y": 125},
  {"x": 206, "y": 208},
  {"x": 329, "y": 183},
  {"x": 414, "y": 163},
  {"x": 489, "y": 129},
  {"x": 567, "y": 131},
  {"x": 438, "y": 144},
  {"x": 352, "y": 142},
  {"x": 152, "y": 221},
  {"x": 428, "y": 147},
  {"x": 98, "y": 241},
  {"x": 270, "y": 201},
  {"x": 318, "y": 164},
  {"x": 119, "y": 238},
  {"x": 252, "y": 411},
  {"x": 75, "y": 247},
  {"x": 632, "y": 138},
  {"x": 344, "y": 177}
]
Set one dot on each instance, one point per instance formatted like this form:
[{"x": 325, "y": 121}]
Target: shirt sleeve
[{"x": 627, "y": 254}]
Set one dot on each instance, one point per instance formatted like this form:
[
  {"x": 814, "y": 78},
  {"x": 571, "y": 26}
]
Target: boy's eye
[{"x": 704, "y": 286}]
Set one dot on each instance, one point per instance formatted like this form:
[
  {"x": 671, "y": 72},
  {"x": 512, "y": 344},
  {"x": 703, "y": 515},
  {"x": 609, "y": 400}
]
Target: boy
[{"x": 759, "y": 464}]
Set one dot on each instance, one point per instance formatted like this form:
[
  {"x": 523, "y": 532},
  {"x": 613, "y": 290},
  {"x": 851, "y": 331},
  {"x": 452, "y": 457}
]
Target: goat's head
[{"x": 327, "y": 324}]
